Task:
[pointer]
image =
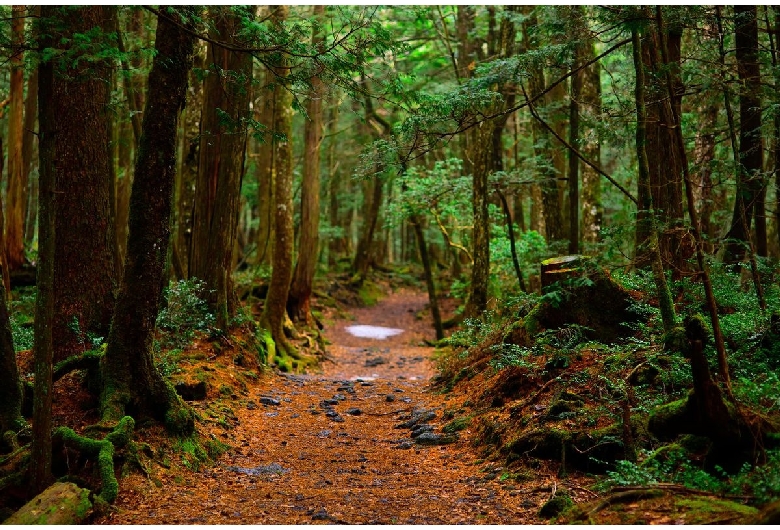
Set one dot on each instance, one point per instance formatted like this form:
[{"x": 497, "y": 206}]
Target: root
[{"x": 103, "y": 450}]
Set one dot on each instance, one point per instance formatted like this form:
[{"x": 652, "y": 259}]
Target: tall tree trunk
[
  {"x": 266, "y": 115},
  {"x": 221, "y": 166},
  {"x": 664, "y": 158},
  {"x": 574, "y": 139},
  {"x": 750, "y": 180},
  {"x": 275, "y": 308},
  {"x": 548, "y": 173},
  {"x": 337, "y": 246},
  {"x": 665, "y": 302},
  {"x": 299, "y": 297},
  {"x": 83, "y": 290},
  {"x": 17, "y": 179},
  {"x": 29, "y": 141},
  {"x": 40, "y": 451},
  {"x": 131, "y": 380},
  {"x": 590, "y": 109}
]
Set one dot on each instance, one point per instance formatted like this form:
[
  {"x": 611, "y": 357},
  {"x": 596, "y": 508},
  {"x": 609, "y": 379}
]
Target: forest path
[{"x": 327, "y": 448}]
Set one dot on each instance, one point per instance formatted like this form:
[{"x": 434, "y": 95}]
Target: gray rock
[
  {"x": 405, "y": 444},
  {"x": 389, "y": 398},
  {"x": 251, "y": 405},
  {"x": 339, "y": 397},
  {"x": 266, "y": 400},
  {"x": 418, "y": 417},
  {"x": 431, "y": 438},
  {"x": 419, "y": 429},
  {"x": 354, "y": 411}
]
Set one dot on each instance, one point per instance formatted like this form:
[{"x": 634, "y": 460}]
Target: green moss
[
  {"x": 369, "y": 293},
  {"x": 179, "y": 419},
  {"x": 557, "y": 505},
  {"x": 677, "y": 341},
  {"x": 708, "y": 510},
  {"x": 458, "y": 424}
]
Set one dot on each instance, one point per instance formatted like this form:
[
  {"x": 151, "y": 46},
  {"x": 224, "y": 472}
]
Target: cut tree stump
[
  {"x": 60, "y": 503},
  {"x": 560, "y": 268}
]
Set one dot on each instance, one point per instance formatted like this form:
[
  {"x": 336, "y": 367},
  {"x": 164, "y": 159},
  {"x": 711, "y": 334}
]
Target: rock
[
  {"x": 327, "y": 403},
  {"x": 334, "y": 416},
  {"x": 339, "y": 397},
  {"x": 419, "y": 429},
  {"x": 430, "y": 438},
  {"x": 420, "y": 416},
  {"x": 270, "y": 469},
  {"x": 320, "y": 515},
  {"x": 324, "y": 433},
  {"x": 354, "y": 411},
  {"x": 397, "y": 390},
  {"x": 191, "y": 391},
  {"x": 376, "y": 361},
  {"x": 251, "y": 405},
  {"x": 266, "y": 400},
  {"x": 389, "y": 398},
  {"x": 61, "y": 503},
  {"x": 405, "y": 444}
]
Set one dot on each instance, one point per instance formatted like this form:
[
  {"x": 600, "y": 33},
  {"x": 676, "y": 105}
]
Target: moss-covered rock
[
  {"x": 560, "y": 502},
  {"x": 63, "y": 503}
]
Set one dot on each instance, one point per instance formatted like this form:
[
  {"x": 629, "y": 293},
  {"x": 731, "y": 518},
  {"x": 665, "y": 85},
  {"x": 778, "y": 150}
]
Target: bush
[{"x": 186, "y": 313}]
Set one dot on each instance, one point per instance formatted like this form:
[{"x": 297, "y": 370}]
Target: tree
[
  {"x": 83, "y": 289},
  {"x": 299, "y": 297},
  {"x": 750, "y": 179},
  {"x": 275, "y": 308},
  {"x": 131, "y": 380},
  {"x": 10, "y": 384},
  {"x": 220, "y": 170},
  {"x": 17, "y": 179}
]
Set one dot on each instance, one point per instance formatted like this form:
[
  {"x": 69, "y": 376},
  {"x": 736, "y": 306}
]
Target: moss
[
  {"x": 369, "y": 293},
  {"x": 560, "y": 502},
  {"x": 708, "y": 510},
  {"x": 669, "y": 420},
  {"x": 179, "y": 419},
  {"x": 458, "y": 424},
  {"x": 103, "y": 450},
  {"x": 677, "y": 341}
]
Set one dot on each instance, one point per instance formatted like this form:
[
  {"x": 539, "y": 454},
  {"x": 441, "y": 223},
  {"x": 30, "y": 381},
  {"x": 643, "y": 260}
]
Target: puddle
[{"x": 373, "y": 332}]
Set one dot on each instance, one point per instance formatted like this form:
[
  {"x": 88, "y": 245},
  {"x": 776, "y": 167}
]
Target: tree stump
[
  {"x": 60, "y": 503},
  {"x": 556, "y": 269}
]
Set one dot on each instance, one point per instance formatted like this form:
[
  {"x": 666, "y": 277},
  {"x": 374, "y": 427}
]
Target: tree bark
[
  {"x": 592, "y": 211},
  {"x": 275, "y": 308},
  {"x": 299, "y": 297},
  {"x": 10, "y": 384},
  {"x": 29, "y": 141},
  {"x": 574, "y": 139},
  {"x": 40, "y": 451},
  {"x": 266, "y": 115},
  {"x": 83, "y": 289},
  {"x": 220, "y": 170},
  {"x": 131, "y": 379},
  {"x": 750, "y": 180},
  {"x": 17, "y": 179}
]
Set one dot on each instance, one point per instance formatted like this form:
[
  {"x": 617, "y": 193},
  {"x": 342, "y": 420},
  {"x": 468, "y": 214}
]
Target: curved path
[{"x": 329, "y": 448}]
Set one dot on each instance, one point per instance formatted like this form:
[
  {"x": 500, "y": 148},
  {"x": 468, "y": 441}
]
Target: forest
[{"x": 503, "y": 264}]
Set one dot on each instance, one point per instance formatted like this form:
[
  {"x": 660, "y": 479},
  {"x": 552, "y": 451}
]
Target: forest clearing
[{"x": 390, "y": 264}]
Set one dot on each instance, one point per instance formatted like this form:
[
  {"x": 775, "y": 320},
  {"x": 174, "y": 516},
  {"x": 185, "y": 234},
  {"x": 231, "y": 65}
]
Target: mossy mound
[{"x": 658, "y": 505}]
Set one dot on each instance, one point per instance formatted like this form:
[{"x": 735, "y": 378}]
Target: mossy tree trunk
[
  {"x": 668, "y": 315},
  {"x": 131, "y": 381},
  {"x": 299, "y": 298},
  {"x": 265, "y": 113},
  {"x": 275, "y": 308},
  {"x": 222, "y": 145},
  {"x": 83, "y": 288}
]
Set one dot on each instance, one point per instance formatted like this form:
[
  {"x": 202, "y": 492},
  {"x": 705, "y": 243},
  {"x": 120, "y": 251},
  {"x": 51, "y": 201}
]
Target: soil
[{"x": 337, "y": 447}]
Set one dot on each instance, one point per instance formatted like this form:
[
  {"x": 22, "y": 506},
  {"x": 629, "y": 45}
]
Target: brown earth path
[{"x": 297, "y": 458}]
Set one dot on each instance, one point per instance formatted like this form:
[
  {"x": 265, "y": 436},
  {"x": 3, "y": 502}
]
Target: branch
[{"x": 575, "y": 152}]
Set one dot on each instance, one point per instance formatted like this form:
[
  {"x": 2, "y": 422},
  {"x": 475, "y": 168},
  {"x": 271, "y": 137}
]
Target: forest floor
[{"x": 330, "y": 447}]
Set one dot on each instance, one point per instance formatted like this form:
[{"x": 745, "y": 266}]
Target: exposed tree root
[{"x": 103, "y": 450}]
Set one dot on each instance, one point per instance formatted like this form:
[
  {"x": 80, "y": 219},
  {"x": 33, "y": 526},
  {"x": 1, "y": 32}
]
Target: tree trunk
[
  {"x": 29, "y": 141},
  {"x": 750, "y": 180},
  {"x": 266, "y": 115},
  {"x": 131, "y": 379},
  {"x": 83, "y": 289},
  {"x": 275, "y": 308},
  {"x": 574, "y": 140},
  {"x": 592, "y": 211},
  {"x": 665, "y": 302},
  {"x": 664, "y": 158},
  {"x": 10, "y": 384},
  {"x": 221, "y": 166},
  {"x": 40, "y": 451},
  {"x": 299, "y": 297},
  {"x": 17, "y": 179}
]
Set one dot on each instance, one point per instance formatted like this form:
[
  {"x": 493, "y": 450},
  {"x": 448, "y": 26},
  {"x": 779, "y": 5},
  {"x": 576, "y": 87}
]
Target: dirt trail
[{"x": 327, "y": 448}]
